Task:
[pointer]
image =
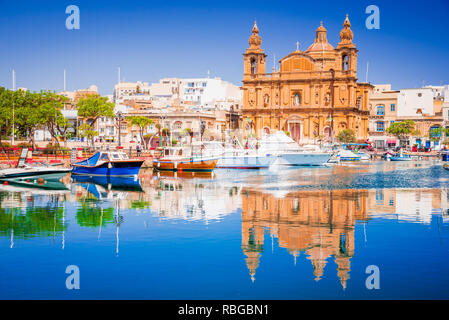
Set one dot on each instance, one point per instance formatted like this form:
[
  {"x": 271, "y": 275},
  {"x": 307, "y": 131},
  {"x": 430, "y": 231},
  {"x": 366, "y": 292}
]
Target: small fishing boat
[
  {"x": 184, "y": 159},
  {"x": 108, "y": 163},
  {"x": 401, "y": 157},
  {"x": 363, "y": 155},
  {"x": 446, "y": 166},
  {"x": 348, "y": 156}
]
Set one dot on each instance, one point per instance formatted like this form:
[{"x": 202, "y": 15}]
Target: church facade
[{"x": 313, "y": 96}]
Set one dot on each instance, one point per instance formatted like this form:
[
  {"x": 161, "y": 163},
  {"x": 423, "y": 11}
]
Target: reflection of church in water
[{"x": 318, "y": 223}]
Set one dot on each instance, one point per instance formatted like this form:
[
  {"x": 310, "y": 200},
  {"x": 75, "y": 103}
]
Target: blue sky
[{"x": 150, "y": 40}]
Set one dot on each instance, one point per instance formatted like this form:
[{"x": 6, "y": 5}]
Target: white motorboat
[
  {"x": 290, "y": 153},
  {"x": 41, "y": 170},
  {"x": 235, "y": 157},
  {"x": 44, "y": 171}
]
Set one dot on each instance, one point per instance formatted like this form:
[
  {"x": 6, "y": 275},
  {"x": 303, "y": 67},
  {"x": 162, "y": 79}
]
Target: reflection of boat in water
[
  {"x": 110, "y": 182},
  {"x": 34, "y": 185},
  {"x": 184, "y": 159},
  {"x": 108, "y": 163},
  {"x": 186, "y": 174}
]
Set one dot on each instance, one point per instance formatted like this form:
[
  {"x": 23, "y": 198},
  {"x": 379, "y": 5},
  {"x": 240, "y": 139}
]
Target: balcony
[{"x": 376, "y": 133}]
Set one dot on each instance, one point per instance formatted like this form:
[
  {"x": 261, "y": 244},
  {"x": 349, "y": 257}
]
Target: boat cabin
[{"x": 104, "y": 156}]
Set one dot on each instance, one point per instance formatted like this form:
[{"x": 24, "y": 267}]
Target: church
[{"x": 313, "y": 96}]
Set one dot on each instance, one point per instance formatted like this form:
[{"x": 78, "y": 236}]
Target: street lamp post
[{"x": 119, "y": 118}]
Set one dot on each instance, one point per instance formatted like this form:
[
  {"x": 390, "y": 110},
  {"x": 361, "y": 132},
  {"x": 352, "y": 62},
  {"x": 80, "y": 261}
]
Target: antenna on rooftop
[
  {"x": 367, "y": 70},
  {"x": 119, "y": 75}
]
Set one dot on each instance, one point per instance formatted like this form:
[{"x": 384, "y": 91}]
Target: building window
[
  {"x": 178, "y": 125},
  {"x": 253, "y": 66},
  {"x": 380, "y": 126},
  {"x": 392, "y": 107},
  {"x": 345, "y": 63},
  {"x": 380, "y": 110}
]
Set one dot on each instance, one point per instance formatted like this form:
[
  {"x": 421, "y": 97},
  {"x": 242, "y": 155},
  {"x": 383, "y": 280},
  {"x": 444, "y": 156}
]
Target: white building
[
  {"x": 167, "y": 88},
  {"x": 123, "y": 90},
  {"x": 440, "y": 92},
  {"x": 415, "y": 102},
  {"x": 206, "y": 92}
]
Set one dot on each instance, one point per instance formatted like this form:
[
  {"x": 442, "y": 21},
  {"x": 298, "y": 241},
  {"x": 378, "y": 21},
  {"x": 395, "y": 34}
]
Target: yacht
[
  {"x": 288, "y": 151},
  {"x": 236, "y": 157}
]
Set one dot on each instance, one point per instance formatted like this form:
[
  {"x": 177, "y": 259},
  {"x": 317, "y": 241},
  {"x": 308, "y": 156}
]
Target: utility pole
[
  {"x": 119, "y": 118},
  {"x": 332, "y": 104}
]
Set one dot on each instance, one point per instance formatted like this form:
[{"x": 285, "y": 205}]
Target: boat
[
  {"x": 108, "y": 163},
  {"x": 363, "y": 155},
  {"x": 289, "y": 152},
  {"x": 185, "y": 159},
  {"x": 236, "y": 157},
  {"x": 348, "y": 156},
  {"x": 446, "y": 166},
  {"x": 401, "y": 157},
  {"x": 37, "y": 169}
]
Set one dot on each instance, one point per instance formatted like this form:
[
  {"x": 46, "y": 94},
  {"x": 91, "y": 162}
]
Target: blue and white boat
[
  {"x": 108, "y": 163},
  {"x": 347, "y": 155},
  {"x": 401, "y": 157}
]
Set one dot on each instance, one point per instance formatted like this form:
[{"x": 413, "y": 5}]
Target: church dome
[{"x": 320, "y": 43}]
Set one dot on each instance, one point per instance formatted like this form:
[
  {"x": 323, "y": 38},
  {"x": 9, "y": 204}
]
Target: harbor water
[{"x": 279, "y": 233}]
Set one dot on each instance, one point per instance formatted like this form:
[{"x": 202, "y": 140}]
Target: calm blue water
[{"x": 306, "y": 233}]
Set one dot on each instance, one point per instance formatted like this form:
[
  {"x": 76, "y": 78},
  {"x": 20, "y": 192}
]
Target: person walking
[{"x": 138, "y": 149}]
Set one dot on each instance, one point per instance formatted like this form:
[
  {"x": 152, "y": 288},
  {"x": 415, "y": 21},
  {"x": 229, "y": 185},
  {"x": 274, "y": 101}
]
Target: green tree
[
  {"x": 93, "y": 107},
  {"x": 403, "y": 129},
  {"x": 142, "y": 123},
  {"x": 51, "y": 117},
  {"x": 87, "y": 131},
  {"x": 346, "y": 136}
]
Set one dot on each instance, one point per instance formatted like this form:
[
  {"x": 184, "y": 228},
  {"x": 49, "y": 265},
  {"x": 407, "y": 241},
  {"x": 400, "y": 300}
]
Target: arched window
[
  {"x": 345, "y": 63},
  {"x": 253, "y": 66},
  {"x": 380, "y": 110},
  {"x": 177, "y": 125}
]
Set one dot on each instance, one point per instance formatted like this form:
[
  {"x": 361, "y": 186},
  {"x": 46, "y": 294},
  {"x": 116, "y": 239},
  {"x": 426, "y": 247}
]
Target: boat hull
[
  {"x": 112, "y": 169},
  {"x": 349, "y": 159},
  {"x": 304, "y": 159},
  {"x": 45, "y": 174},
  {"x": 185, "y": 165},
  {"x": 245, "y": 162},
  {"x": 400, "y": 159}
]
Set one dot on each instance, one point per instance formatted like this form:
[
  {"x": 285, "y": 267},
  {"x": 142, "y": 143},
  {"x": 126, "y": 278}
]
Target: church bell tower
[{"x": 254, "y": 57}]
